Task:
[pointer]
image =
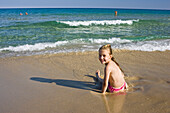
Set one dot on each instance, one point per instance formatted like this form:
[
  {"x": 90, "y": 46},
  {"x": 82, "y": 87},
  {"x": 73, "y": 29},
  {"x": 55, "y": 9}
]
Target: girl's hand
[{"x": 98, "y": 73}]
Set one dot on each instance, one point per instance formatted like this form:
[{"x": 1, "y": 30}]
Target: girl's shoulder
[{"x": 110, "y": 65}]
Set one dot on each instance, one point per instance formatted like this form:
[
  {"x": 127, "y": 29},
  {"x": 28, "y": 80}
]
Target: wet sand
[{"x": 65, "y": 83}]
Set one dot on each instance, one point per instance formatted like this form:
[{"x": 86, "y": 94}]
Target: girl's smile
[{"x": 104, "y": 56}]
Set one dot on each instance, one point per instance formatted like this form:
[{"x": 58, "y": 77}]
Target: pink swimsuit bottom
[{"x": 112, "y": 89}]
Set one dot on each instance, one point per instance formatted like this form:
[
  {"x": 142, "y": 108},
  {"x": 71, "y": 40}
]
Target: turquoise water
[{"x": 67, "y": 30}]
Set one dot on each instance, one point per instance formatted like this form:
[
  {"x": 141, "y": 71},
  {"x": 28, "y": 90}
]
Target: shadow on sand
[
  {"x": 113, "y": 103},
  {"x": 69, "y": 83}
]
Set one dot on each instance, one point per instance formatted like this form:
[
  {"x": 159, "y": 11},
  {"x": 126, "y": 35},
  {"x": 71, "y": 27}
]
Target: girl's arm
[{"x": 106, "y": 79}]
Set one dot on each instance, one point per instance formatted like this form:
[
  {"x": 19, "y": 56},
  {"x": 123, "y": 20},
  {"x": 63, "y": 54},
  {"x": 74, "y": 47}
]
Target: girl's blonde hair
[{"x": 108, "y": 47}]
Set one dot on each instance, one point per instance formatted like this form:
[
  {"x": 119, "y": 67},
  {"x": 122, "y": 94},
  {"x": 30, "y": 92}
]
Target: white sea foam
[
  {"x": 157, "y": 45},
  {"x": 95, "y": 22},
  {"x": 36, "y": 47},
  {"x": 110, "y": 40},
  {"x": 93, "y": 44}
]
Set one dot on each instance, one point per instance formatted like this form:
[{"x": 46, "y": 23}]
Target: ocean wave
[
  {"x": 154, "y": 45},
  {"x": 42, "y": 46},
  {"x": 95, "y": 22},
  {"x": 93, "y": 44},
  {"x": 110, "y": 40},
  {"x": 35, "y": 47},
  {"x": 69, "y": 24}
]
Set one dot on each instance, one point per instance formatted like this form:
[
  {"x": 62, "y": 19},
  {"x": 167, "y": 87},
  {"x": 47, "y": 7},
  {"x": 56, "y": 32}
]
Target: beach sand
[{"x": 65, "y": 83}]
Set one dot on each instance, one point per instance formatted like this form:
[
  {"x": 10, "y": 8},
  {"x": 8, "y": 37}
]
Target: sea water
[{"x": 55, "y": 30}]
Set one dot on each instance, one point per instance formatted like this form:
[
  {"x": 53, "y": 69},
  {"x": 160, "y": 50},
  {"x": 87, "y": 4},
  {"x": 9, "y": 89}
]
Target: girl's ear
[{"x": 111, "y": 56}]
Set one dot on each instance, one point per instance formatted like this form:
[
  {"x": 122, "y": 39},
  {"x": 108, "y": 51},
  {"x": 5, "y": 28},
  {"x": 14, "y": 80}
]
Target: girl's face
[{"x": 104, "y": 56}]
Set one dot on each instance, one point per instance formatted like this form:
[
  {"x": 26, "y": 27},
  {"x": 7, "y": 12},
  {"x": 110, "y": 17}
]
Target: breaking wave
[
  {"x": 93, "y": 44},
  {"x": 95, "y": 22}
]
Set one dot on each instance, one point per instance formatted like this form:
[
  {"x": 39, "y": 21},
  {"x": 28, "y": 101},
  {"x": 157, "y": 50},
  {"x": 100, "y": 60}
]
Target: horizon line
[{"x": 83, "y": 8}]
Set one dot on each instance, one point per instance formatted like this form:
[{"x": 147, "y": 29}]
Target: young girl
[{"x": 113, "y": 74}]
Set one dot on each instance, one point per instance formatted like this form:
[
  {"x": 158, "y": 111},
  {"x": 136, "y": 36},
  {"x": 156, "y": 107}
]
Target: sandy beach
[{"x": 65, "y": 83}]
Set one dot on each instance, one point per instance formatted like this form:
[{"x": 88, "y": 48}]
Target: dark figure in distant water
[{"x": 115, "y": 13}]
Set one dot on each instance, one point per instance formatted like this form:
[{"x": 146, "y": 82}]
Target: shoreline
[
  {"x": 48, "y": 83},
  {"x": 81, "y": 52}
]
